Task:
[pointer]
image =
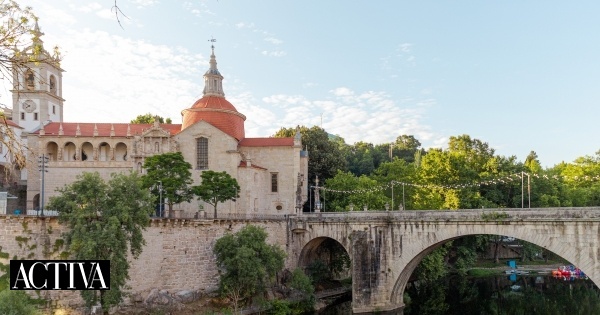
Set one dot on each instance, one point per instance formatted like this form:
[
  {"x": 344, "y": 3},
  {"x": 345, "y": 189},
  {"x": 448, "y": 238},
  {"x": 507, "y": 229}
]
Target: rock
[
  {"x": 151, "y": 296},
  {"x": 186, "y": 296}
]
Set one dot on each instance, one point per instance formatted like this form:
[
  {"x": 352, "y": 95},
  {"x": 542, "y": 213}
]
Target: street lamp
[
  {"x": 43, "y": 167},
  {"x": 160, "y": 203}
]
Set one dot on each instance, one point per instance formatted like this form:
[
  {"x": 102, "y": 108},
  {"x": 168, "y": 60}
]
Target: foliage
[
  {"x": 17, "y": 303},
  {"x": 325, "y": 158},
  {"x": 17, "y": 53},
  {"x": 247, "y": 263},
  {"x": 174, "y": 172},
  {"x": 148, "y": 118},
  {"x": 317, "y": 271},
  {"x": 373, "y": 199},
  {"x": 433, "y": 266},
  {"x": 216, "y": 187},
  {"x": 494, "y": 216},
  {"x": 303, "y": 284},
  {"x": 105, "y": 220},
  {"x": 279, "y": 307}
]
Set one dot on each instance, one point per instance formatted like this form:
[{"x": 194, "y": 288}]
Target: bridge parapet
[{"x": 498, "y": 214}]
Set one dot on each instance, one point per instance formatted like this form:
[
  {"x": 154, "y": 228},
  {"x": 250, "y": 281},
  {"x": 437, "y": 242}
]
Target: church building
[{"x": 271, "y": 172}]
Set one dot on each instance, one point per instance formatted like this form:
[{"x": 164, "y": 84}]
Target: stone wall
[{"x": 178, "y": 253}]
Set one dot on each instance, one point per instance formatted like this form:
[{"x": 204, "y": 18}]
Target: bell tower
[{"x": 37, "y": 85}]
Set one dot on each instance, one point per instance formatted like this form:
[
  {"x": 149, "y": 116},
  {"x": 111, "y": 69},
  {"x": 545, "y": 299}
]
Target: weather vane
[{"x": 212, "y": 40}]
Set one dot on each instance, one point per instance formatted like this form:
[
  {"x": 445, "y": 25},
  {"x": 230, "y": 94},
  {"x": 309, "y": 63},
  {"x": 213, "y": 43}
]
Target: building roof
[
  {"x": 11, "y": 123},
  {"x": 252, "y": 165},
  {"x": 213, "y": 107},
  {"x": 104, "y": 129},
  {"x": 267, "y": 142}
]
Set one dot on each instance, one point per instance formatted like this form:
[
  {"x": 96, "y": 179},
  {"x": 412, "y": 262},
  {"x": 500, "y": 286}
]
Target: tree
[
  {"x": 247, "y": 262},
  {"x": 149, "y": 119},
  {"x": 20, "y": 47},
  {"x": 105, "y": 220},
  {"x": 325, "y": 157},
  {"x": 216, "y": 187},
  {"x": 174, "y": 173}
]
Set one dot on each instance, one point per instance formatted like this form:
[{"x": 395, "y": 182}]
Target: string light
[{"x": 500, "y": 180}]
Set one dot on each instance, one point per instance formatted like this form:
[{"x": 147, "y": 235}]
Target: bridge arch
[
  {"x": 555, "y": 245},
  {"x": 386, "y": 246},
  {"x": 325, "y": 249}
]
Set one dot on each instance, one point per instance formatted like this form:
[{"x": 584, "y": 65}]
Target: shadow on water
[{"x": 498, "y": 295}]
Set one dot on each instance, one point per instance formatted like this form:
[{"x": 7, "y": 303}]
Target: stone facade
[
  {"x": 211, "y": 137},
  {"x": 178, "y": 255}
]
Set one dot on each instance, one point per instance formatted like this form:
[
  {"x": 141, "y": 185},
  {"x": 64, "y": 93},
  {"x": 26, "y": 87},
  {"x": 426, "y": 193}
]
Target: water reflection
[
  {"x": 503, "y": 295},
  {"x": 495, "y": 296}
]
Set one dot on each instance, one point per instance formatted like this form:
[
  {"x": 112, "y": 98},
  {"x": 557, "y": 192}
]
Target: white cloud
[
  {"x": 108, "y": 14},
  {"x": 273, "y": 41},
  {"x": 371, "y": 116},
  {"x": 405, "y": 47},
  {"x": 113, "y": 79},
  {"x": 275, "y": 53},
  {"x": 144, "y": 3},
  {"x": 245, "y": 25},
  {"x": 90, "y": 7}
]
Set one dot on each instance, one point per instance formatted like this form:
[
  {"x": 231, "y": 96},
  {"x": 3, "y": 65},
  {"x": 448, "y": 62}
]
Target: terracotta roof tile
[
  {"x": 11, "y": 123},
  {"x": 87, "y": 129},
  {"x": 267, "y": 142},
  {"x": 218, "y": 112}
]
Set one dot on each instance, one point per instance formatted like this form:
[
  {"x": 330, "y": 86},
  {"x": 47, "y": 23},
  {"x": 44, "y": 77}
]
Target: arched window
[
  {"x": 29, "y": 80},
  {"x": 201, "y": 153},
  {"x": 52, "y": 84}
]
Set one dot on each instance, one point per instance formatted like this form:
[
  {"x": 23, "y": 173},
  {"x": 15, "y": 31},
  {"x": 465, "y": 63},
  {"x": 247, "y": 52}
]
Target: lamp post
[
  {"x": 160, "y": 203},
  {"x": 43, "y": 167}
]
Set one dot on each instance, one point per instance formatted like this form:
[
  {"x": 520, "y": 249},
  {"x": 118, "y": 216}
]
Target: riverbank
[{"x": 527, "y": 267}]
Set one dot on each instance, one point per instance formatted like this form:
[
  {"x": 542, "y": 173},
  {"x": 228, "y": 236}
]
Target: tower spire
[{"x": 213, "y": 80}]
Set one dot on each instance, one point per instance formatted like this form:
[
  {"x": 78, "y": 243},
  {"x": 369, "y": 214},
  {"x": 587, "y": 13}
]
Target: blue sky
[{"x": 520, "y": 76}]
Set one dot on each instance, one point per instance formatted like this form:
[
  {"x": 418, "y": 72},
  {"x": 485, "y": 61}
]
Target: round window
[{"x": 279, "y": 207}]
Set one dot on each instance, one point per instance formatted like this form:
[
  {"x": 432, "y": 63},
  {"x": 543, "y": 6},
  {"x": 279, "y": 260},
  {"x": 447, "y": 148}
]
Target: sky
[{"x": 521, "y": 76}]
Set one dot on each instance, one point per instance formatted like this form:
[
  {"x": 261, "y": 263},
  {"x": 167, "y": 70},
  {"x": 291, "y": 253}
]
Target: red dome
[{"x": 218, "y": 112}]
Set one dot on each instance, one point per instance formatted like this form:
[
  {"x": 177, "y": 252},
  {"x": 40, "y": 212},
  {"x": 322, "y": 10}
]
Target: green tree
[
  {"x": 148, "y": 118},
  {"x": 348, "y": 189},
  {"x": 247, "y": 262},
  {"x": 216, "y": 187},
  {"x": 325, "y": 156},
  {"x": 174, "y": 173},
  {"x": 105, "y": 220}
]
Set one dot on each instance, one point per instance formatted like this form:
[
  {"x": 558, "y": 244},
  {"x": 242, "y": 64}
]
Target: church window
[
  {"x": 29, "y": 80},
  {"x": 201, "y": 153},
  {"x": 274, "y": 182},
  {"x": 52, "y": 83},
  {"x": 156, "y": 147},
  {"x": 35, "y": 116},
  {"x": 22, "y": 116},
  {"x": 53, "y": 109}
]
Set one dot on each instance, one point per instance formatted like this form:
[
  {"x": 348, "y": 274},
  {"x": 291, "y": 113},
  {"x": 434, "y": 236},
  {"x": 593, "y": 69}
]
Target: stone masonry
[{"x": 178, "y": 253}]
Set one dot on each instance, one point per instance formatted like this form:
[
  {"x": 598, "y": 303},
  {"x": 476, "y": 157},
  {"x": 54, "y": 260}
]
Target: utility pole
[{"x": 43, "y": 167}]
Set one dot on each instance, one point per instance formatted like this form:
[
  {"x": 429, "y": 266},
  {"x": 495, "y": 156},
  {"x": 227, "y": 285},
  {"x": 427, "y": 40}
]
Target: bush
[{"x": 17, "y": 303}]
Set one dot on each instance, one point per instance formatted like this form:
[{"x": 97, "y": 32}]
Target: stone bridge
[{"x": 386, "y": 247}]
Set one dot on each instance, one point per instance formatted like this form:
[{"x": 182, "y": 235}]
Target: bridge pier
[{"x": 371, "y": 277}]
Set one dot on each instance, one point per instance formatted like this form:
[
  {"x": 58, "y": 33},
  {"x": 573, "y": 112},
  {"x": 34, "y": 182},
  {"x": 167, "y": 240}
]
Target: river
[{"x": 496, "y": 295}]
